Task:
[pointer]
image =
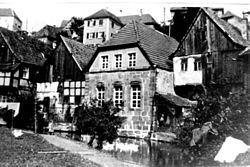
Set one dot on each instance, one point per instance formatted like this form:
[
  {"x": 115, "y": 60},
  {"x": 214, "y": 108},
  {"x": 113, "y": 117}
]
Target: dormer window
[
  {"x": 132, "y": 59},
  {"x": 118, "y": 60},
  {"x": 104, "y": 62}
]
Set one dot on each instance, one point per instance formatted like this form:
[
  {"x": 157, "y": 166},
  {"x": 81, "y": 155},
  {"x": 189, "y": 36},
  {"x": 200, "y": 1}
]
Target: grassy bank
[{"x": 25, "y": 152}]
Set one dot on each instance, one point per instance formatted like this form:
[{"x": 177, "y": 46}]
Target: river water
[{"x": 150, "y": 154}]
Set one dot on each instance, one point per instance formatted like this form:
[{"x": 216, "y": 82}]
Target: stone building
[{"x": 133, "y": 67}]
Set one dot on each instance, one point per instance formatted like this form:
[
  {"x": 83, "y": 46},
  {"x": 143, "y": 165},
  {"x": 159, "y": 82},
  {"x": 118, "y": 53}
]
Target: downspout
[{"x": 153, "y": 118}]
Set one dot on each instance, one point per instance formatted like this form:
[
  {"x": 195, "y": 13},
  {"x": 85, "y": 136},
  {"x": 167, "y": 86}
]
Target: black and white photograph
[{"x": 124, "y": 83}]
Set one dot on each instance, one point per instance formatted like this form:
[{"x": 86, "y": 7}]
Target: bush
[{"x": 100, "y": 122}]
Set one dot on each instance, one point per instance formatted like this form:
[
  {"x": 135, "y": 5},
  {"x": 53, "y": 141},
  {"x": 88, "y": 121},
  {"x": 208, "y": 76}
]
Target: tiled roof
[
  {"x": 103, "y": 13},
  {"x": 48, "y": 31},
  {"x": 8, "y": 12},
  {"x": 26, "y": 49},
  {"x": 80, "y": 52},
  {"x": 227, "y": 28},
  {"x": 145, "y": 19},
  {"x": 64, "y": 23},
  {"x": 157, "y": 46}
]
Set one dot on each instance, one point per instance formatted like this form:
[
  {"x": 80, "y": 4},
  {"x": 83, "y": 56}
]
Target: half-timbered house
[
  {"x": 66, "y": 77},
  {"x": 208, "y": 55},
  {"x": 21, "y": 58}
]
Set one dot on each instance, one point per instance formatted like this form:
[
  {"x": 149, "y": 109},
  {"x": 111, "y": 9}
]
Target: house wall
[
  {"x": 138, "y": 121},
  {"x": 164, "y": 82},
  {"x": 10, "y": 23},
  {"x": 206, "y": 38},
  {"x": 187, "y": 77},
  {"x": 141, "y": 61},
  {"x": 65, "y": 67},
  {"x": 105, "y": 27}
]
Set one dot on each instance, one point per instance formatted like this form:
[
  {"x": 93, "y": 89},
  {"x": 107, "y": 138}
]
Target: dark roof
[
  {"x": 9, "y": 12},
  {"x": 48, "y": 31},
  {"x": 81, "y": 53},
  {"x": 103, "y": 13},
  {"x": 157, "y": 46},
  {"x": 26, "y": 49},
  {"x": 227, "y": 28},
  {"x": 176, "y": 100},
  {"x": 145, "y": 19}
]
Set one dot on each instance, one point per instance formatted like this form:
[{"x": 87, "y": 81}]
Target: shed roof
[
  {"x": 81, "y": 53},
  {"x": 176, "y": 100},
  {"x": 157, "y": 46}
]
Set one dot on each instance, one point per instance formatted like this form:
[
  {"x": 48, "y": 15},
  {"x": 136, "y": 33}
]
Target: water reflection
[{"x": 151, "y": 154}]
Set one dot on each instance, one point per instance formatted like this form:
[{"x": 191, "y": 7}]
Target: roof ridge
[{"x": 136, "y": 31}]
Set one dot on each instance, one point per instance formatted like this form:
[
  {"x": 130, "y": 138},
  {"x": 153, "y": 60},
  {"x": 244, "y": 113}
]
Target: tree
[{"x": 100, "y": 122}]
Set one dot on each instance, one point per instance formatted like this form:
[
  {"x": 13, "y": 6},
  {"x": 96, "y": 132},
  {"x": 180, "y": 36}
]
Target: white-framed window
[
  {"x": 197, "y": 65},
  {"x": 118, "y": 60},
  {"x": 118, "y": 95},
  {"x": 131, "y": 59},
  {"x": 135, "y": 96},
  {"x": 25, "y": 73},
  {"x": 100, "y": 95},
  {"x": 88, "y": 23},
  {"x": 184, "y": 65},
  {"x": 105, "y": 62},
  {"x": 5, "y": 78}
]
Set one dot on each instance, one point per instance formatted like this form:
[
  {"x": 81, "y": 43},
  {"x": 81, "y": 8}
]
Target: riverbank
[
  {"x": 32, "y": 150},
  {"x": 80, "y": 148}
]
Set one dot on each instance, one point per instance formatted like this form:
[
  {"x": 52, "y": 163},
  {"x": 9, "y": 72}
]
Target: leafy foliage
[
  {"x": 229, "y": 114},
  {"x": 101, "y": 122}
]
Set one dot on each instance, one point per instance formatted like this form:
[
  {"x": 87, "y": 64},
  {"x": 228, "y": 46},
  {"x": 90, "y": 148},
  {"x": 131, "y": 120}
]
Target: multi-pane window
[
  {"x": 197, "y": 65},
  {"x": 184, "y": 65},
  {"x": 135, "y": 96},
  {"x": 73, "y": 91},
  {"x": 131, "y": 59},
  {"x": 104, "y": 62},
  {"x": 100, "y": 22},
  {"x": 118, "y": 95},
  {"x": 4, "y": 78},
  {"x": 118, "y": 60},
  {"x": 100, "y": 95}
]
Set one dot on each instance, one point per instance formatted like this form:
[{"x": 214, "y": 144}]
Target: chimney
[{"x": 246, "y": 16}]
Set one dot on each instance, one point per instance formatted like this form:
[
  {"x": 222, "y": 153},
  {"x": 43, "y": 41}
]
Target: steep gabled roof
[
  {"x": 227, "y": 28},
  {"x": 145, "y": 19},
  {"x": 6, "y": 12},
  {"x": 26, "y": 49},
  {"x": 157, "y": 46},
  {"x": 81, "y": 53},
  {"x": 48, "y": 31},
  {"x": 103, "y": 13}
]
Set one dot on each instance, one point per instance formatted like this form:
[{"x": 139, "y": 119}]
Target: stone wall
[{"x": 138, "y": 122}]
